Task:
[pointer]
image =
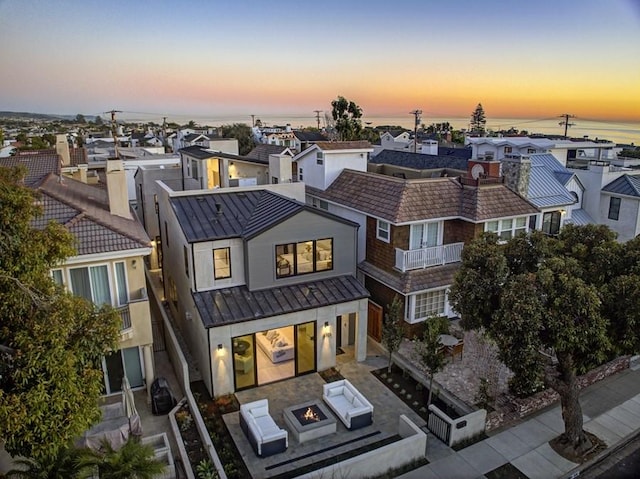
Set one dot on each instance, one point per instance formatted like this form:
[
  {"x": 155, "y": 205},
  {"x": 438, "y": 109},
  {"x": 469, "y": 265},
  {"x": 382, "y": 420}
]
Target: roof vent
[{"x": 219, "y": 208}]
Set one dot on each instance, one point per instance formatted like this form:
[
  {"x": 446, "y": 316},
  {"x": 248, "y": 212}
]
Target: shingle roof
[
  {"x": 401, "y": 201},
  {"x": 238, "y": 304},
  {"x": 628, "y": 185},
  {"x": 78, "y": 156},
  {"x": 344, "y": 145},
  {"x": 412, "y": 281},
  {"x": 455, "y": 152},
  {"x": 38, "y": 164},
  {"x": 418, "y": 161},
  {"x": 262, "y": 151}
]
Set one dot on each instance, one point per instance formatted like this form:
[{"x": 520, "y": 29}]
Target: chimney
[
  {"x": 117, "y": 188},
  {"x": 483, "y": 167},
  {"x": 516, "y": 170},
  {"x": 62, "y": 149}
]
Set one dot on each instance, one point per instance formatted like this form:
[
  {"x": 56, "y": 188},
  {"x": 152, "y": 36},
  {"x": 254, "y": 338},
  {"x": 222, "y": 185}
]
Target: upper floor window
[
  {"x": 319, "y": 158},
  {"x": 194, "y": 169},
  {"x": 92, "y": 283},
  {"x": 383, "y": 230},
  {"x": 531, "y": 151},
  {"x": 56, "y": 274},
  {"x": 300, "y": 175},
  {"x": 614, "y": 208},
  {"x": 551, "y": 222},
  {"x": 222, "y": 263},
  {"x": 507, "y": 228},
  {"x": 424, "y": 235},
  {"x": 317, "y": 203},
  {"x": 304, "y": 257},
  {"x": 508, "y": 149}
]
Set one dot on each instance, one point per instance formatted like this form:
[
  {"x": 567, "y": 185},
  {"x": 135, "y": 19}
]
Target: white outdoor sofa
[
  {"x": 265, "y": 436},
  {"x": 348, "y": 404}
]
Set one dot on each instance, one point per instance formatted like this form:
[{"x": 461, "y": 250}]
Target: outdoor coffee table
[{"x": 309, "y": 420}]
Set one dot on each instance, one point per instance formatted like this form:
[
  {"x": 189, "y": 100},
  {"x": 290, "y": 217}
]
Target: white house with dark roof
[
  {"x": 109, "y": 265},
  {"x": 620, "y": 206},
  {"x": 262, "y": 287}
]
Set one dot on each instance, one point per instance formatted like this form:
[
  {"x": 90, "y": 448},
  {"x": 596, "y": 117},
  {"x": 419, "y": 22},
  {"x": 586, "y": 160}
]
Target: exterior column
[
  {"x": 361, "y": 331},
  {"x": 147, "y": 351}
]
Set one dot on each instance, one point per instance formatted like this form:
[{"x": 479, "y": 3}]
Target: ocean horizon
[{"x": 616, "y": 131}]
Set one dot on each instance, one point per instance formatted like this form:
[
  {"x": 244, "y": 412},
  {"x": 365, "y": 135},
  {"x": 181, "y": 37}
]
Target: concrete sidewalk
[{"x": 611, "y": 410}]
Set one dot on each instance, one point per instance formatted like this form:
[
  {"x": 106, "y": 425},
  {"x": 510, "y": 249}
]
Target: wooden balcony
[{"x": 427, "y": 257}]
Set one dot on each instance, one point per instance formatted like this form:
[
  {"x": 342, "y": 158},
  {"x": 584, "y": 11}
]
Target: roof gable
[{"x": 628, "y": 185}]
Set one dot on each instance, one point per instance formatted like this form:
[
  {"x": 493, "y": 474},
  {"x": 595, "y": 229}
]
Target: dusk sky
[{"x": 530, "y": 59}]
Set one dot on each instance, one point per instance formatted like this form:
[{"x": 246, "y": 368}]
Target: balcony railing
[
  {"x": 125, "y": 315},
  {"x": 426, "y": 257}
]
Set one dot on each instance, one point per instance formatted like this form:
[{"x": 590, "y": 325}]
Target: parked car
[{"x": 162, "y": 399}]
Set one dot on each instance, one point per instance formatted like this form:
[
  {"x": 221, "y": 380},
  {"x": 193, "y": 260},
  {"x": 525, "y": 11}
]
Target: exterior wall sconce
[
  {"x": 220, "y": 349},
  {"x": 326, "y": 330}
]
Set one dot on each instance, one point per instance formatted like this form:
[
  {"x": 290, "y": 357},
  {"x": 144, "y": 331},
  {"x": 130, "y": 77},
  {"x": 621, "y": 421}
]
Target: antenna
[
  {"x": 317, "y": 112},
  {"x": 114, "y": 130},
  {"x": 566, "y": 123},
  {"x": 416, "y": 114}
]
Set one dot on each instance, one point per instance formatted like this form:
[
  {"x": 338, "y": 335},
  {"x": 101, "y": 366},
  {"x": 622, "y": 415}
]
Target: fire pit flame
[{"x": 311, "y": 415}]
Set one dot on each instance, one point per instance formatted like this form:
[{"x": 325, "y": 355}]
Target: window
[
  {"x": 300, "y": 177},
  {"x": 614, "y": 208},
  {"x": 186, "y": 260},
  {"x": 382, "y": 231},
  {"x": 304, "y": 257},
  {"x": 424, "y": 235},
  {"x": 531, "y": 151},
  {"x": 319, "y": 158},
  {"x": 507, "y": 228},
  {"x": 56, "y": 274},
  {"x": 316, "y": 203},
  {"x": 221, "y": 263},
  {"x": 91, "y": 283},
  {"x": 551, "y": 223},
  {"x": 508, "y": 149},
  {"x": 194, "y": 169},
  {"x": 429, "y": 303},
  {"x": 122, "y": 292}
]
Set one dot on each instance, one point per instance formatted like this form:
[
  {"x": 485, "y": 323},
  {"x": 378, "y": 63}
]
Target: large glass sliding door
[
  {"x": 305, "y": 348},
  {"x": 244, "y": 361},
  {"x": 121, "y": 362}
]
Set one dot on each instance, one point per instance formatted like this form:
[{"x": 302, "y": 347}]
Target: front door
[{"x": 374, "y": 321}]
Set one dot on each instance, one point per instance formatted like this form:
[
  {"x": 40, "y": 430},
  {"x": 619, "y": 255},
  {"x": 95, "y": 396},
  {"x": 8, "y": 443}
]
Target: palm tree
[
  {"x": 133, "y": 460},
  {"x": 66, "y": 465}
]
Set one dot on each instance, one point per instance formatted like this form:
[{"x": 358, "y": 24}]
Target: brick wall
[
  {"x": 381, "y": 294},
  {"x": 456, "y": 231},
  {"x": 521, "y": 407},
  {"x": 382, "y": 254}
]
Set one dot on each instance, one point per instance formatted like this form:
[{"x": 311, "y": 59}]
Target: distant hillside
[{"x": 38, "y": 116}]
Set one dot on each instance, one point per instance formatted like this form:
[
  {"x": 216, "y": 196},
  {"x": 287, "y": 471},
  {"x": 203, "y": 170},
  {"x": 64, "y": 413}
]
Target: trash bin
[{"x": 162, "y": 399}]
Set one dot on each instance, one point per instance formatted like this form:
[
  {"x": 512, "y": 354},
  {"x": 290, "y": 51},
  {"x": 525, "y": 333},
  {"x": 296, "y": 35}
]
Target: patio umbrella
[{"x": 129, "y": 406}]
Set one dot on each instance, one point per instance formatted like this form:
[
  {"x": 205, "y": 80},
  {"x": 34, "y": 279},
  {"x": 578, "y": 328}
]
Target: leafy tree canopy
[
  {"x": 574, "y": 298},
  {"x": 80, "y": 118},
  {"x": 241, "y": 132},
  {"x": 346, "y": 115},
  {"x": 52, "y": 342}
]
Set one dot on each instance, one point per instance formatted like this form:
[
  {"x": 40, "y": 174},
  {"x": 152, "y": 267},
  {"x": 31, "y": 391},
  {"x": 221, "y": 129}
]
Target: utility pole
[
  {"x": 317, "y": 112},
  {"x": 253, "y": 120},
  {"x": 416, "y": 114},
  {"x": 566, "y": 123},
  {"x": 114, "y": 130}
]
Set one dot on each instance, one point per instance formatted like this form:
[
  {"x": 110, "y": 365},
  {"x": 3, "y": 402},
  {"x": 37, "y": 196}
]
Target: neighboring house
[
  {"x": 304, "y": 139},
  {"x": 109, "y": 265},
  {"x": 404, "y": 164},
  {"x": 205, "y": 169},
  {"x": 620, "y": 206},
  {"x": 414, "y": 231},
  {"x": 565, "y": 151},
  {"x": 240, "y": 264},
  {"x": 261, "y": 152}
]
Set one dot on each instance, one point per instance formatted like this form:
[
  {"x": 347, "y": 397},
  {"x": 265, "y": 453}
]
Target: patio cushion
[
  {"x": 337, "y": 391},
  {"x": 348, "y": 395},
  {"x": 356, "y": 402},
  {"x": 259, "y": 411}
]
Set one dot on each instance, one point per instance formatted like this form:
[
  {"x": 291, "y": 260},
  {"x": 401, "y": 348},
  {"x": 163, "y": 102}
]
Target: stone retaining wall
[{"x": 521, "y": 407}]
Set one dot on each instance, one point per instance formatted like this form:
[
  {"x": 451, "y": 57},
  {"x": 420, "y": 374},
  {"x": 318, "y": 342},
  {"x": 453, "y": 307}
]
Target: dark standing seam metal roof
[
  {"x": 240, "y": 214},
  {"x": 419, "y": 161},
  {"x": 628, "y": 185},
  {"x": 235, "y": 305}
]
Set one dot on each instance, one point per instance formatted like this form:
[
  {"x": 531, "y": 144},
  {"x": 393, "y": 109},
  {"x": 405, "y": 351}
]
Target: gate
[
  {"x": 157, "y": 330},
  {"x": 374, "y": 321}
]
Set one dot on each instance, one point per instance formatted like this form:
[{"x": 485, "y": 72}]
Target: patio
[{"x": 284, "y": 394}]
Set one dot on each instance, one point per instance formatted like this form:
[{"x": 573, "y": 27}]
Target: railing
[
  {"x": 125, "y": 315},
  {"x": 425, "y": 257}
]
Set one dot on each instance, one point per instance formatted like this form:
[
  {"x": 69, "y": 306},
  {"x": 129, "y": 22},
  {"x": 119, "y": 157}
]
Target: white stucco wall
[{"x": 626, "y": 225}]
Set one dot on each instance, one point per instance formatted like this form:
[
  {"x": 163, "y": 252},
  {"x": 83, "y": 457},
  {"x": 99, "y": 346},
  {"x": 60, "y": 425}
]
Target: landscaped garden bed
[
  {"x": 413, "y": 393},
  {"x": 193, "y": 444}
]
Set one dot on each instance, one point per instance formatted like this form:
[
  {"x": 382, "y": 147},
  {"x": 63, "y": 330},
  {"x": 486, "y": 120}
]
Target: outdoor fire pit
[{"x": 309, "y": 421}]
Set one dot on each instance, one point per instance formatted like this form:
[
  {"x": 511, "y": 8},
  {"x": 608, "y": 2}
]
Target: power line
[{"x": 566, "y": 123}]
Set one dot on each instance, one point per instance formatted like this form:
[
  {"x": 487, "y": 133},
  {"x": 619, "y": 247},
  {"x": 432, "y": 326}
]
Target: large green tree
[
  {"x": 478, "y": 120},
  {"x": 556, "y": 308},
  {"x": 347, "y": 117},
  {"x": 51, "y": 342},
  {"x": 242, "y": 133}
]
